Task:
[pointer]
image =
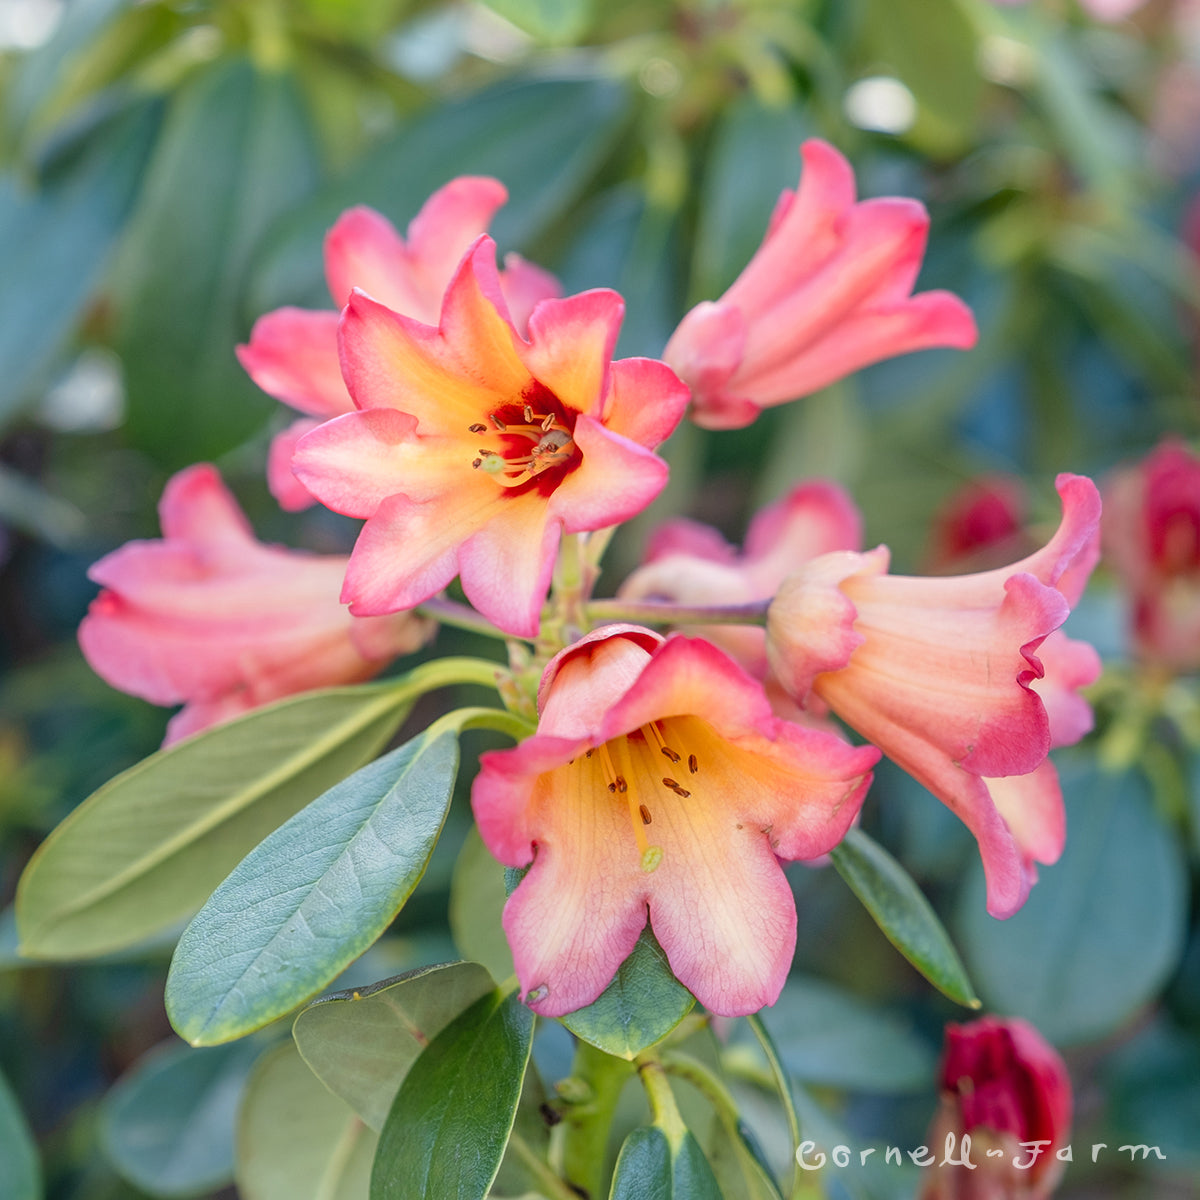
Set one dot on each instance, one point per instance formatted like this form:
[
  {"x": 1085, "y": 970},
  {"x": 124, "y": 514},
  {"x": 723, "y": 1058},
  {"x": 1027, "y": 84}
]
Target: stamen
[
  {"x": 635, "y": 809},
  {"x": 477, "y": 463},
  {"x": 499, "y": 424},
  {"x": 646, "y": 817},
  {"x": 528, "y": 411},
  {"x": 548, "y": 422},
  {"x": 693, "y": 764},
  {"x": 670, "y": 753},
  {"x": 478, "y": 428}
]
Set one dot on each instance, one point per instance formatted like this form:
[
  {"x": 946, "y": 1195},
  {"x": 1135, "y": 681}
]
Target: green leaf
[
  {"x": 902, "y": 912},
  {"x": 932, "y": 46},
  {"x": 827, "y": 1035},
  {"x": 555, "y": 22},
  {"x": 647, "y": 1169},
  {"x": 755, "y": 155},
  {"x": 1102, "y": 929},
  {"x": 445, "y": 1135},
  {"x": 477, "y": 896},
  {"x": 235, "y": 153},
  {"x": 168, "y": 1125},
  {"x": 361, "y": 1043},
  {"x": 147, "y": 849},
  {"x": 55, "y": 241},
  {"x": 737, "y": 1163},
  {"x": 544, "y": 140},
  {"x": 307, "y": 901},
  {"x": 297, "y": 1141},
  {"x": 641, "y": 1006},
  {"x": 22, "y": 1172}
]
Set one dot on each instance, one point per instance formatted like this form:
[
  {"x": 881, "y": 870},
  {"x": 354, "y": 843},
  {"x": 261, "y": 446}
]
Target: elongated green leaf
[
  {"x": 361, "y": 1044},
  {"x": 543, "y": 139},
  {"x": 738, "y": 1165},
  {"x": 1104, "y": 927},
  {"x": 146, "y": 850},
  {"x": 54, "y": 242},
  {"x": 308, "y": 900},
  {"x": 445, "y": 1135},
  {"x": 168, "y": 1126},
  {"x": 297, "y": 1141},
  {"x": 235, "y": 153},
  {"x": 477, "y": 896},
  {"x": 641, "y": 1006},
  {"x": 889, "y": 894},
  {"x": 20, "y": 1170},
  {"x": 647, "y": 1169}
]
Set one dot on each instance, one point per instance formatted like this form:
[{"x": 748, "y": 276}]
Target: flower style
[
  {"x": 943, "y": 675},
  {"x": 1152, "y": 539},
  {"x": 827, "y": 293},
  {"x": 293, "y": 355},
  {"x": 690, "y": 563},
  {"x": 474, "y": 448},
  {"x": 1005, "y": 1088},
  {"x": 659, "y": 780},
  {"x": 213, "y": 618}
]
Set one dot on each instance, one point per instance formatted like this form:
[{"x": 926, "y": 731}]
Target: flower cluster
[{"x": 473, "y": 418}]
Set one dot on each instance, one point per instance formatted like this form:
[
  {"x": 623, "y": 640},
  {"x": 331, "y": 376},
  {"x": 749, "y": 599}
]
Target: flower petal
[
  {"x": 615, "y": 480},
  {"x": 525, "y": 285},
  {"x": 646, "y": 400},
  {"x": 292, "y": 355},
  {"x": 292, "y": 495}
]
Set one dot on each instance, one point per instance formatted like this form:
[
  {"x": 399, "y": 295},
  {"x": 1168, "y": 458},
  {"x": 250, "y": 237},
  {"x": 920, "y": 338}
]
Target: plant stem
[
  {"x": 588, "y": 1125},
  {"x": 547, "y": 1181},
  {"x": 663, "y": 1109},
  {"x": 461, "y": 616},
  {"x": 651, "y": 612}
]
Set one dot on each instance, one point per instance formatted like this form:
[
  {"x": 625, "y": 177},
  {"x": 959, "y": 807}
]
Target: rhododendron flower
[
  {"x": 980, "y": 526},
  {"x": 475, "y": 448},
  {"x": 941, "y": 673},
  {"x": 214, "y": 619},
  {"x": 827, "y": 292},
  {"x": 692, "y": 564},
  {"x": 659, "y": 783},
  {"x": 1152, "y": 539},
  {"x": 1005, "y": 1109},
  {"x": 293, "y": 354}
]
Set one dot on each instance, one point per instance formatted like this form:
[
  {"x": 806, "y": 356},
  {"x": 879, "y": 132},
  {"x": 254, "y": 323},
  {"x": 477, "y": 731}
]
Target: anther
[
  {"x": 528, "y": 414},
  {"x": 667, "y": 782},
  {"x": 646, "y": 818},
  {"x": 621, "y": 785},
  {"x": 547, "y": 422},
  {"x": 612, "y": 787},
  {"x": 693, "y": 764},
  {"x": 477, "y": 463},
  {"x": 670, "y": 754},
  {"x": 495, "y": 420},
  {"x": 478, "y": 428}
]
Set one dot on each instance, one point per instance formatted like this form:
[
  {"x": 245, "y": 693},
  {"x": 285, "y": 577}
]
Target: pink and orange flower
[
  {"x": 211, "y": 618},
  {"x": 293, "y": 354},
  {"x": 474, "y": 449},
  {"x": 943, "y": 675},
  {"x": 828, "y": 292},
  {"x": 660, "y": 785},
  {"x": 1152, "y": 539}
]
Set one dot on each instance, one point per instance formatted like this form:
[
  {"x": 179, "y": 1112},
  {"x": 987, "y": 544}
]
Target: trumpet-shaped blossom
[
  {"x": 212, "y": 618},
  {"x": 1007, "y": 1090},
  {"x": 692, "y": 564},
  {"x": 943, "y": 673},
  {"x": 828, "y": 292},
  {"x": 475, "y": 449},
  {"x": 293, "y": 355},
  {"x": 1152, "y": 539},
  {"x": 660, "y": 784}
]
